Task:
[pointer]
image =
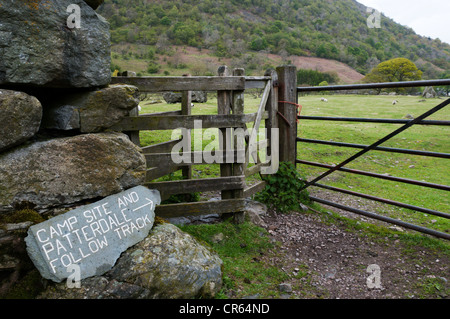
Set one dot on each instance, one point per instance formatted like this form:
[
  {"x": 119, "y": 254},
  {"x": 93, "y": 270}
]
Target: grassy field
[{"x": 419, "y": 137}]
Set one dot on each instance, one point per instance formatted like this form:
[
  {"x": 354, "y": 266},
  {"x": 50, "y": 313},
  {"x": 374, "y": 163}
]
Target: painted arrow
[{"x": 140, "y": 207}]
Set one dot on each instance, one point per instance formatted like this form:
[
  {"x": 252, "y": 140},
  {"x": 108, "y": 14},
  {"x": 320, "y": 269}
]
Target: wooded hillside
[{"x": 232, "y": 28}]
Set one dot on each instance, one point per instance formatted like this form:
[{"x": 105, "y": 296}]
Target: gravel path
[{"x": 325, "y": 260}]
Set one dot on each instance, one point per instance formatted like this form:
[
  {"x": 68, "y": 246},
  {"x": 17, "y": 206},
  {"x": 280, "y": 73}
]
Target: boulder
[
  {"x": 107, "y": 228},
  {"x": 94, "y": 4},
  {"x": 39, "y": 48},
  {"x": 171, "y": 264},
  {"x": 63, "y": 171},
  {"x": 255, "y": 211},
  {"x": 168, "y": 264},
  {"x": 197, "y": 96},
  {"x": 91, "y": 111},
  {"x": 20, "y": 115},
  {"x": 429, "y": 93}
]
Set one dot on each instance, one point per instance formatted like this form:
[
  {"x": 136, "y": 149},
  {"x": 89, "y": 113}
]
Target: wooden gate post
[
  {"x": 238, "y": 168},
  {"x": 287, "y": 120},
  {"x": 224, "y": 107},
  {"x": 186, "y": 107}
]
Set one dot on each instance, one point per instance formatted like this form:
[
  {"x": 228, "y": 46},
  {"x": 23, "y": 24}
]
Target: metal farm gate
[{"x": 376, "y": 146}]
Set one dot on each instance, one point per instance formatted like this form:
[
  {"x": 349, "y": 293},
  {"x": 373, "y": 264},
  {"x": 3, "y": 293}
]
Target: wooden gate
[{"x": 230, "y": 88}]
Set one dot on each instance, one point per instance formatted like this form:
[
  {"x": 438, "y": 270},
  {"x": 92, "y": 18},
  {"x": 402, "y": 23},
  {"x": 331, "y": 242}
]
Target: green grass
[{"x": 242, "y": 249}]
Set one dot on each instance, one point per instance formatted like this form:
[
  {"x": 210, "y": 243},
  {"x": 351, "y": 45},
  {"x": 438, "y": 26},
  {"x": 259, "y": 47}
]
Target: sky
[{"x": 430, "y": 18}]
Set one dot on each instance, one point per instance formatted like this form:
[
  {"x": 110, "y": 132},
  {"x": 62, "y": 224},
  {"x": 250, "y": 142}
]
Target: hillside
[
  {"x": 247, "y": 30},
  {"x": 185, "y": 59}
]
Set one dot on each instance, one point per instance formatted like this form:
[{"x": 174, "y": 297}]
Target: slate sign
[{"x": 93, "y": 236}]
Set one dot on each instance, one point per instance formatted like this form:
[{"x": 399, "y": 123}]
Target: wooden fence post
[
  {"x": 186, "y": 107},
  {"x": 287, "y": 120},
  {"x": 224, "y": 107},
  {"x": 133, "y": 135},
  {"x": 272, "y": 109},
  {"x": 238, "y": 168}
]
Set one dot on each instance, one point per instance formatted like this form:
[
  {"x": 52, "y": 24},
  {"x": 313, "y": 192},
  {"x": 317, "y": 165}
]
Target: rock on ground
[
  {"x": 197, "y": 96},
  {"x": 64, "y": 171},
  {"x": 168, "y": 264},
  {"x": 38, "y": 48},
  {"x": 20, "y": 118}
]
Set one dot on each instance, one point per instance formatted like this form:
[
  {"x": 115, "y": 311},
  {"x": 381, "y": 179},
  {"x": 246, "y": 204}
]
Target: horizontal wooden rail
[
  {"x": 256, "y": 82},
  {"x": 169, "y": 113},
  {"x": 249, "y": 171},
  {"x": 200, "y": 208},
  {"x": 252, "y": 190},
  {"x": 164, "y": 147},
  {"x": 160, "y": 171},
  {"x": 156, "y": 123},
  {"x": 197, "y": 185},
  {"x": 178, "y": 84}
]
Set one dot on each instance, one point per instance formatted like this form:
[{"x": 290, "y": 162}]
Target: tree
[{"x": 399, "y": 69}]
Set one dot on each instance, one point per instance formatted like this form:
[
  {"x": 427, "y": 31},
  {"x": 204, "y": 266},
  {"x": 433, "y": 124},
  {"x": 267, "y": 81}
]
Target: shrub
[{"x": 283, "y": 189}]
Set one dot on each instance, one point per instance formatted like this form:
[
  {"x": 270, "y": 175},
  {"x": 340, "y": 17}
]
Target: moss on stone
[
  {"x": 159, "y": 221},
  {"x": 27, "y": 288},
  {"x": 20, "y": 216}
]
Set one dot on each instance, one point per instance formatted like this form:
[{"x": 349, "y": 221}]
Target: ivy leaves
[{"x": 283, "y": 189}]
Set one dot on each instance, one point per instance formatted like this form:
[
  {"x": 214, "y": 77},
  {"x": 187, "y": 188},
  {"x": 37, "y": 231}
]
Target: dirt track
[{"x": 336, "y": 262}]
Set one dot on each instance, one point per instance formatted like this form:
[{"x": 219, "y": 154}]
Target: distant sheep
[
  {"x": 394, "y": 102},
  {"x": 139, "y": 108},
  {"x": 324, "y": 99}
]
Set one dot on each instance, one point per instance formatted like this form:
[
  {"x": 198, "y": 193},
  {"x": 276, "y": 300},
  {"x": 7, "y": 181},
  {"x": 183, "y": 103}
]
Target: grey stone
[
  {"x": 200, "y": 219},
  {"x": 20, "y": 118},
  {"x": 200, "y": 96},
  {"x": 197, "y": 96},
  {"x": 90, "y": 112},
  {"x": 92, "y": 236},
  {"x": 63, "y": 171},
  {"x": 171, "y": 264},
  {"x": 254, "y": 211},
  {"x": 285, "y": 287},
  {"x": 171, "y": 97},
  {"x": 38, "y": 48},
  {"x": 429, "y": 93},
  {"x": 217, "y": 238}
]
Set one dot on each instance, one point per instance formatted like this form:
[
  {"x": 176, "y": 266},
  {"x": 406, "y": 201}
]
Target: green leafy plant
[{"x": 283, "y": 189}]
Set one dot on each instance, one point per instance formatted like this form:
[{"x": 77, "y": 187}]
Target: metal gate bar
[
  {"x": 383, "y": 85},
  {"x": 381, "y": 176},
  {"x": 379, "y": 148},
  {"x": 371, "y": 120},
  {"x": 383, "y": 218},
  {"x": 377, "y": 143},
  {"x": 386, "y": 201}
]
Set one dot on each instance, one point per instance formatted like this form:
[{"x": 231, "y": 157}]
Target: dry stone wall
[{"x": 57, "y": 152}]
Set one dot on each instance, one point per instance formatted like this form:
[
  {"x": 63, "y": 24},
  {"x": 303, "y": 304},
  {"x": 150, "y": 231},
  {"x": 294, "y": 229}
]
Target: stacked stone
[
  {"x": 57, "y": 153},
  {"x": 56, "y": 104}
]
